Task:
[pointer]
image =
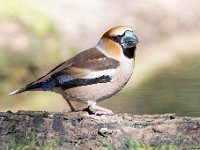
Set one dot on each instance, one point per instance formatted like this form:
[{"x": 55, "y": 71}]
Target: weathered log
[{"x": 83, "y": 131}]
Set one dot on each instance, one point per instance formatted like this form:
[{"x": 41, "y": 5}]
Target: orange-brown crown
[{"x": 118, "y": 30}]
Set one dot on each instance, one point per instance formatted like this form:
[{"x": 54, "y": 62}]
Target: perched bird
[{"x": 94, "y": 74}]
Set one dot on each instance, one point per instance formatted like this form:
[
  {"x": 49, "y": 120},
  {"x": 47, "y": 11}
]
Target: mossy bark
[{"x": 83, "y": 131}]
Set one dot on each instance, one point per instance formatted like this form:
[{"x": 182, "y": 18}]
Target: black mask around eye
[{"x": 115, "y": 38}]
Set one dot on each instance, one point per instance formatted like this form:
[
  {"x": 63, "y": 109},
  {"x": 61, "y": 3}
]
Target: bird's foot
[
  {"x": 99, "y": 110},
  {"x": 88, "y": 110},
  {"x": 103, "y": 111},
  {"x": 99, "y": 113}
]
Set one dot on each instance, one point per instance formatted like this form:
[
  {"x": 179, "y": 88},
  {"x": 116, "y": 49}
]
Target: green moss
[
  {"x": 131, "y": 144},
  {"x": 28, "y": 143},
  {"x": 110, "y": 147}
]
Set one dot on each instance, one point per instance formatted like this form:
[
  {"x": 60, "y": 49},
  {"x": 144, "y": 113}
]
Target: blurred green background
[{"x": 35, "y": 36}]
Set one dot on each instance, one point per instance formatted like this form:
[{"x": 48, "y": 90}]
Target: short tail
[
  {"x": 17, "y": 91},
  {"x": 29, "y": 87},
  {"x": 47, "y": 85}
]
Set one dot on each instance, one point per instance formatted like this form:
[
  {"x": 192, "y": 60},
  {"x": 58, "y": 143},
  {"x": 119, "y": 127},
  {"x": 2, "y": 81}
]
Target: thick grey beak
[{"x": 129, "y": 39}]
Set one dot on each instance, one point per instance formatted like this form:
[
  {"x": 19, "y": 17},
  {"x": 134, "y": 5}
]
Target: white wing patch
[{"x": 97, "y": 74}]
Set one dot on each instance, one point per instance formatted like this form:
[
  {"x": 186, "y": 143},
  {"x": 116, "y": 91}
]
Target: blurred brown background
[{"x": 35, "y": 36}]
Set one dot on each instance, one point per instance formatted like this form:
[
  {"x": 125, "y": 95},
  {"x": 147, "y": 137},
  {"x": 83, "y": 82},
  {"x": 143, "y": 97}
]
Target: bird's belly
[{"x": 97, "y": 92}]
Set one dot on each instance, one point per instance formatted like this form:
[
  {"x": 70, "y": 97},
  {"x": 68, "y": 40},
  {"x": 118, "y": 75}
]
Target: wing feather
[
  {"x": 86, "y": 68},
  {"x": 82, "y": 65}
]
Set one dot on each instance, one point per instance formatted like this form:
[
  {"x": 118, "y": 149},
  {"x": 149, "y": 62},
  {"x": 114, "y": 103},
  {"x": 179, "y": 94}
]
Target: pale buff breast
[{"x": 100, "y": 91}]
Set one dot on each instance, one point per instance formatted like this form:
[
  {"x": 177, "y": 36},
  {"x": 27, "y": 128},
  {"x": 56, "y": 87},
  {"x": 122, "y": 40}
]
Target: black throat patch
[{"x": 129, "y": 52}]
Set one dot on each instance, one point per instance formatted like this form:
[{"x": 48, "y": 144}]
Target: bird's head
[{"x": 118, "y": 42}]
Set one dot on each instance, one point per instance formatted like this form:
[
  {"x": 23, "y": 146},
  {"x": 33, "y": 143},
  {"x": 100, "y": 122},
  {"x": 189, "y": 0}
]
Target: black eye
[{"x": 115, "y": 38}]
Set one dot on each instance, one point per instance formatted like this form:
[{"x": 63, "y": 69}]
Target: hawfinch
[{"x": 94, "y": 74}]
